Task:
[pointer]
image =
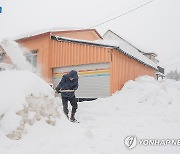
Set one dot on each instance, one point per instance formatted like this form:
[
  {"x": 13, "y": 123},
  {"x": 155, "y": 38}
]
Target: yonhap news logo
[{"x": 132, "y": 141}]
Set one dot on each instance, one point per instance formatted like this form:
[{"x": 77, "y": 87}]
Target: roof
[
  {"x": 135, "y": 48},
  {"x": 112, "y": 44},
  {"x": 150, "y": 53},
  {"x": 44, "y": 32}
]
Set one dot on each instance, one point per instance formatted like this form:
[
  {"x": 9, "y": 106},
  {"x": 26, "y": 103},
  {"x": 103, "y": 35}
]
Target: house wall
[
  {"x": 54, "y": 54},
  {"x": 90, "y": 35},
  {"x": 124, "y": 68},
  {"x": 69, "y": 54},
  {"x": 41, "y": 44}
]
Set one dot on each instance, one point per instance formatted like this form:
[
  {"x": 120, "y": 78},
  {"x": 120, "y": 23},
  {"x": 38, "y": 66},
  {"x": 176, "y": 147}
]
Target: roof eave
[
  {"x": 57, "y": 38},
  {"x": 33, "y": 37},
  {"x": 47, "y": 33}
]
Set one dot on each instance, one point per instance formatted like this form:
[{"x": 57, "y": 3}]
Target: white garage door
[{"x": 94, "y": 79}]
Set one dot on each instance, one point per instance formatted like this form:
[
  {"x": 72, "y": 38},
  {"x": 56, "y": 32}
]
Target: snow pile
[
  {"x": 5, "y": 66},
  {"x": 24, "y": 99},
  {"x": 15, "y": 53},
  {"x": 145, "y": 107}
]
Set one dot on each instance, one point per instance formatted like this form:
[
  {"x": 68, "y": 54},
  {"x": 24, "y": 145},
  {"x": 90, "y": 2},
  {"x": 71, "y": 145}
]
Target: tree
[{"x": 173, "y": 75}]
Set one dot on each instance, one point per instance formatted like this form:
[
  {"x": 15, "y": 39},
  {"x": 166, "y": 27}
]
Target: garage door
[{"x": 94, "y": 79}]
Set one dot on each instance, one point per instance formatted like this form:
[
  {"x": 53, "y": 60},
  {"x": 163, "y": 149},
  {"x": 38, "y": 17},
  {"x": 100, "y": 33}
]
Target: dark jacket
[{"x": 67, "y": 84}]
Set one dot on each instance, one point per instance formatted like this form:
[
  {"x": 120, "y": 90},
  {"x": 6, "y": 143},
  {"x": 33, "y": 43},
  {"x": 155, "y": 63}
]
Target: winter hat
[{"x": 73, "y": 74}]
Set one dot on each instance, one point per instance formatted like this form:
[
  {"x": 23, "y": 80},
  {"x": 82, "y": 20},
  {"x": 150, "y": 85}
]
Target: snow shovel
[{"x": 64, "y": 91}]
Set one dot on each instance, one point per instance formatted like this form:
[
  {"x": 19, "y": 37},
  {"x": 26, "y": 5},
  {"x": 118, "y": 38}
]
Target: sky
[{"x": 151, "y": 28}]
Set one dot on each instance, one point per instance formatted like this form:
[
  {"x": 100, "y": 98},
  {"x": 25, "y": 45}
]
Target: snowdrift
[
  {"x": 145, "y": 107},
  {"x": 16, "y": 54},
  {"x": 25, "y": 98}
]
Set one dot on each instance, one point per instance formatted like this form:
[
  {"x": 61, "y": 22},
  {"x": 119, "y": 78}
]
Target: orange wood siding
[
  {"x": 52, "y": 54},
  {"x": 124, "y": 68},
  {"x": 69, "y": 53},
  {"x": 40, "y": 44}
]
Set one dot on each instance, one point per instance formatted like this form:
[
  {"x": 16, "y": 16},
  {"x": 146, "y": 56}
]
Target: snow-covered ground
[
  {"x": 32, "y": 122},
  {"x": 144, "y": 107}
]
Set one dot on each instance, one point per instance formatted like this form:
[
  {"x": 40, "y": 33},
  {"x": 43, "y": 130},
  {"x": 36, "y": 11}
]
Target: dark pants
[{"x": 73, "y": 103}]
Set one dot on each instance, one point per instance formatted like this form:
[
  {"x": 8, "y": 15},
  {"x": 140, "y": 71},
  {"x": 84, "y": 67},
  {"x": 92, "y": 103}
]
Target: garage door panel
[{"x": 93, "y": 79}]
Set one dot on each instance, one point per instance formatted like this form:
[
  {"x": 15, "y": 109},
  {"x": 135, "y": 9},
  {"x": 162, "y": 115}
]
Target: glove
[{"x": 57, "y": 91}]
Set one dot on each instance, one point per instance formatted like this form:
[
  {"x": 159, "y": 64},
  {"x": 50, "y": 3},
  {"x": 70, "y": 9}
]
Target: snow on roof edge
[
  {"x": 153, "y": 65},
  {"x": 142, "y": 59},
  {"x": 130, "y": 42},
  {"x": 42, "y": 31}
]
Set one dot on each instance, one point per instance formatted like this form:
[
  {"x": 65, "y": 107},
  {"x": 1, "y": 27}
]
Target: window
[{"x": 32, "y": 57}]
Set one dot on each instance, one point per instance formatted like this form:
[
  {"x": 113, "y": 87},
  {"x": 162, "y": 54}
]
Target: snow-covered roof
[
  {"x": 50, "y": 30},
  {"x": 42, "y": 31},
  {"x": 113, "y": 44},
  {"x": 129, "y": 50},
  {"x": 111, "y": 35}
]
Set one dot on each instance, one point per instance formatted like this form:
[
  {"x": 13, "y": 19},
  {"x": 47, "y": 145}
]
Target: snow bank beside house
[
  {"x": 25, "y": 98},
  {"x": 145, "y": 107}
]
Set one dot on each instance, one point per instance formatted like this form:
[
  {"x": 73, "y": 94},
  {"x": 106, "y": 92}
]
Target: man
[{"x": 69, "y": 82}]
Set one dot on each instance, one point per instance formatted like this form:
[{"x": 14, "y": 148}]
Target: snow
[
  {"x": 42, "y": 31},
  {"x": 27, "y": 84},
  {"x": 15, "y": 53},
  {"x": 6, "y": 66},
  {"x": 23, "y": 94},
  {"x": 145, "y": 107},
  {"x": 30, "y": 120},
  {"x": 129, "y": 50}
]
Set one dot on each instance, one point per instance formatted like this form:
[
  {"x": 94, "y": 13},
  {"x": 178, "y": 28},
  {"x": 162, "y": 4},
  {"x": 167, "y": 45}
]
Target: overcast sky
[{"x": 152, "y": 28}]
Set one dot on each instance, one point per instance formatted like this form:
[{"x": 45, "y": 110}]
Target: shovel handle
[{"x": 62, "y": 91}]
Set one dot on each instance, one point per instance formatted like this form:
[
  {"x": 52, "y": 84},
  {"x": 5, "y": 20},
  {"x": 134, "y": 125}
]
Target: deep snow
[
  {"x": 144, "y": 107},
  {"x": 29, "y": 112},
  {"x": 25, "y": 98}
]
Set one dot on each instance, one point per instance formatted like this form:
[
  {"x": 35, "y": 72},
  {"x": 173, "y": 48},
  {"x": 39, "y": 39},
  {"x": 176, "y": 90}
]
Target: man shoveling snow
[{"x": 67, "y": 87}]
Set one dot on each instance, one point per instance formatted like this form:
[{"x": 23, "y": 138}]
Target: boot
[
  {"x": 72, "y": 119},
  {"x": 66, "y": 114}
]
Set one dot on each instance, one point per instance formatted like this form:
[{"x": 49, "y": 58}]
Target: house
[
  {"x": 125, "y": 45},
  {"x": 110, "y": 35},
  {"x": 103, "y": 67}
]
